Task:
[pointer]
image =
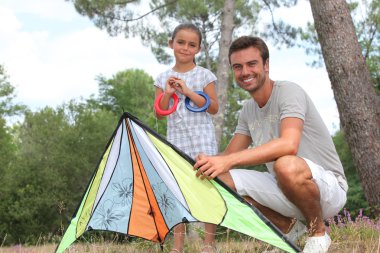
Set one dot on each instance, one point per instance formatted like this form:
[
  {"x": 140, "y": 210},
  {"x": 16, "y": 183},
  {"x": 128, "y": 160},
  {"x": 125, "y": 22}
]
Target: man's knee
[
  {"x": 290, "y": 166},
  {"x": 226, "y": 178},
  {"x": 285, "y": 167}
]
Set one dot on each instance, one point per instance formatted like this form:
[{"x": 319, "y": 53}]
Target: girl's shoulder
[
  {"x": 201, "y": 69},
  {"x": 206, "y": 72}
]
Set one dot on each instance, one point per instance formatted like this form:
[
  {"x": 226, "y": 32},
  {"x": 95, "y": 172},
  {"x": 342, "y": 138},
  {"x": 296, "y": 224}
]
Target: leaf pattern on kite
[
  {"x": 164, "y": 199},
  {"x": 124, "y": 192},
  {"x": 107, "y": 216}
]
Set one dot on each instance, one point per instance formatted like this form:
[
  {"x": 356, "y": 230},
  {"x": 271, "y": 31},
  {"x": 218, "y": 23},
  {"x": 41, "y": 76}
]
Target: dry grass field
[
  {"x": 350, "y": 245},
  {"x": 359, "y": 235}
]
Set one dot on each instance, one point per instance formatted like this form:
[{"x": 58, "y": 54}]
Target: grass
[
  {"x": 368, "y": 245},
  {"x": 359, "y": 235},
  {"x": 344, "y": 241}
]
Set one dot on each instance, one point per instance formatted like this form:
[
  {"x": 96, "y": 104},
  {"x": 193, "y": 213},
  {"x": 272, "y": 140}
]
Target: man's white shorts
[{"x": 263, "y": 188}]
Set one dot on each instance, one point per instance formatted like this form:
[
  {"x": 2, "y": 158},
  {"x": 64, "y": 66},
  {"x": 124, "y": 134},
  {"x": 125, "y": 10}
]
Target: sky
[{"x": 52, "y": 54}]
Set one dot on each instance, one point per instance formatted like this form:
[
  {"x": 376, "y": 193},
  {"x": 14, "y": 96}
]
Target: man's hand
[{"x": 210, "y": 166}]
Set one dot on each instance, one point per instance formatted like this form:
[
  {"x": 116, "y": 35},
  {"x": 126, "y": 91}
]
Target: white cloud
[
  {"x": 52, "y": 55},
  {"x": 47, "y": 9},
  {"x": 49, "y": 68},
  {"x": 8, "y": 21},
  {"x": 296, "y": 16}
]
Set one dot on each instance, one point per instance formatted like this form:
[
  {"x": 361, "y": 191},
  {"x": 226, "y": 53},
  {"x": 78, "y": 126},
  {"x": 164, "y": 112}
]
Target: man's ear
[
  {"x": 266, "y": 66},
  {"x": 171, "y": 43}
]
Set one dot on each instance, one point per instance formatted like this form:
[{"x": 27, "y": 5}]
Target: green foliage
[
  {"x": 373, "y": 64},
  {"x": 7, "y": 94},
  {"x": 132, "y": 91},
  {"x": 58, "y": 150},
  {"x": 235, "y": 100},
  {"x": 8, "y": 147},
  {"x": 48, "y": 159},
  {"x": 350, "y": 230},
  {"x": 7, "y": 156},
  {"x": 366, "y": 17},
  {"x": 206, "y": 15},
  {"x": 355, "y": 195},
  {"x": 109, "y": 14},
  {"x": 278, "y": 31},
  {"x": 131, "y": 19},
  {"x": 368, "y": 32}
]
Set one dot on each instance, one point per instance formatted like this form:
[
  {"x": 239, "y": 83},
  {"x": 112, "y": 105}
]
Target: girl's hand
[
  {"x": 179, "y": 85},
  {"x": 170, "y": 86}
]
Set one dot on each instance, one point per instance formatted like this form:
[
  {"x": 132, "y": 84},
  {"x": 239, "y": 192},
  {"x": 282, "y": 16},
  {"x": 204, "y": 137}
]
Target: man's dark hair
[{"x": 244, "y": 42}]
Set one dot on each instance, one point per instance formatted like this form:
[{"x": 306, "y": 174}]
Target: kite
[{"x": 143, "y": 186}]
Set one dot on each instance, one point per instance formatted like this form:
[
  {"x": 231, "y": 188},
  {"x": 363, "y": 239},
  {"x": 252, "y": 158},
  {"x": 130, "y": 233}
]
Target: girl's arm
[
  {"x": 198, "y": 100},
  {"x": 169, "y": 91},
  {"x": 164, "y": 104},
  {"x": 211, "y": 92}
]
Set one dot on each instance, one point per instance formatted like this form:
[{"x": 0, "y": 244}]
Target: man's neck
[{"x": 262, "y": 95}]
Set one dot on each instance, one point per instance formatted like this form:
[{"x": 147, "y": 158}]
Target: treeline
[{"x": 48, "y": 157}]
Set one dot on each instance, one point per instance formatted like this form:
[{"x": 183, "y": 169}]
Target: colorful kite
[{"x": 143, "y": 186}]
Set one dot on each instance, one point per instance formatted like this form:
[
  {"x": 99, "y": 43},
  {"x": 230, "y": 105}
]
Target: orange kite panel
[{"x": 146, "y": 219}]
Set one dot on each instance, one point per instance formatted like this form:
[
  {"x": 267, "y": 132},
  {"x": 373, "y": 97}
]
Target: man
[{"x": 280, "y": 127}]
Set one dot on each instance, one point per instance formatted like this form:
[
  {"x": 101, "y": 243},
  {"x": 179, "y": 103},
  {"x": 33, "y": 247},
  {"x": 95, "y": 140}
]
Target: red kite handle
[{"x": 170, "y": 110}]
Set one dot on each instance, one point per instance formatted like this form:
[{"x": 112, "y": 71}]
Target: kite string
[{"x": 156, "y": 120}]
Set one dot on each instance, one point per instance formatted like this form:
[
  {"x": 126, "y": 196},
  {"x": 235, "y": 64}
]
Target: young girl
[{"x": 192, "y": 132}]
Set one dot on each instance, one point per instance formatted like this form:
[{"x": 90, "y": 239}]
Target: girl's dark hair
[
  {"x": 249, "y": 41},
  {"x": 188, "y": 26}
]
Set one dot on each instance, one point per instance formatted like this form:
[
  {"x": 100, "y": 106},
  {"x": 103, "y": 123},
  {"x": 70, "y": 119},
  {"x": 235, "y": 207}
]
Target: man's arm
[
  {"x": 286, "y": 144},
  {"x": 238, "y": 142}
]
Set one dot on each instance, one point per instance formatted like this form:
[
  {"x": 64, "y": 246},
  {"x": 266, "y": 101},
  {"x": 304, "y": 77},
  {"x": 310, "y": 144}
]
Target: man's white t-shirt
[{"x": 290, "y": 100}]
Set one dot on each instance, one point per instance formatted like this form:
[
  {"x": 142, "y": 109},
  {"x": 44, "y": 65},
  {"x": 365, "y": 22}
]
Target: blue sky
[{"x": 52, "y": 54}]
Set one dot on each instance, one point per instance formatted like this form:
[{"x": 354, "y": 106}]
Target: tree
[
  {"x": 58, "y": 150},
  {"x": 366, "y": 17},
  {"x": 233, "y": 106},
  {"x": 7, "y": 156},
  {"x": 355, "y": 195},
  {"x": 6, "y": 109},
  {"x": 33, "y": 177},
  {"x": 7, "y": 94},
  {"x": 368, "y": 32},
  {"x": 8, "y": 148},
  {"x": 358, "y": 104},
  {"x": 131, "y": 90},
  {"x": 223, "y": 67},
  {"x": 216, "y": 20}
]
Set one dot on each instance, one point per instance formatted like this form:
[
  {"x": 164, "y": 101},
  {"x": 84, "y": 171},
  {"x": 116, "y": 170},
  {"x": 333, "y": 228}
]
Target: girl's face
[{"x": 185, "y": 45}]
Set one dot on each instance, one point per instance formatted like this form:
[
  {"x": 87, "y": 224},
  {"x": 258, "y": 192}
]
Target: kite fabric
[{"x": 143, "y": 186}]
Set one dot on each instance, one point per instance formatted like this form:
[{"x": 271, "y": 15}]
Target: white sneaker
[
  {"x": 317, "y": 244},
  {"x": 297, "y": 231}
]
